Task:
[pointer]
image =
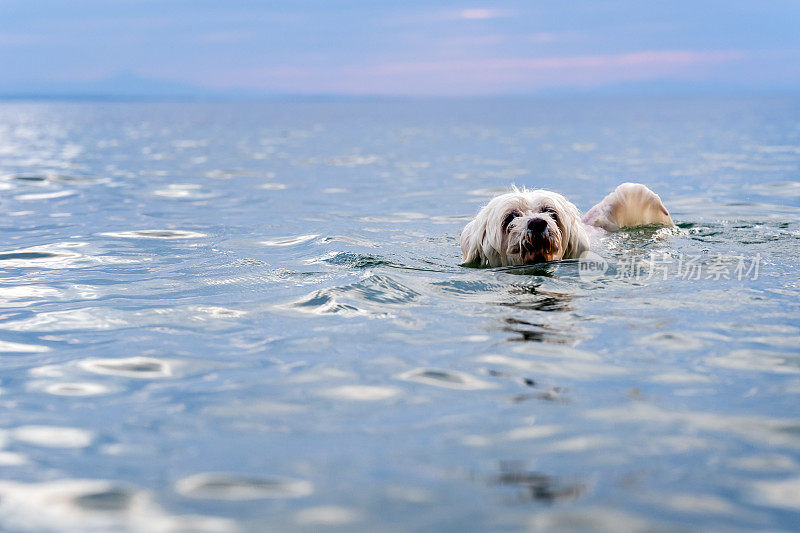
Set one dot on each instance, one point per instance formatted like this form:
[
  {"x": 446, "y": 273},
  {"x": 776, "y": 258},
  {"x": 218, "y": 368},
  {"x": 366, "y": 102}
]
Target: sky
[{"x": 398, "y": 48}]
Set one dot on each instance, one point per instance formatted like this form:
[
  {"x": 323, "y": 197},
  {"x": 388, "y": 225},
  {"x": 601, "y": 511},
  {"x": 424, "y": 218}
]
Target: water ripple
[
  {"x": 360, "y": 393},
  {"x": 16, "y": 347},
  {"x": 73, "y": 389},
  {"x": 353, "y": 260},
  {"x": 183, "y": 191},
  {"x": 758, "y": 360},
  {"x": 43, "y": 195},
  {"x": 776, "y": 431},
  {"x": 53, "y": 436},
  {"x": 221, "y": 486},
  {"x": 555, "y": 360},
  {"x": 130, "y": 367},
  {"x": 289, "y": 241},
  {"x": 781, "y": 493},
  {"x": 57, "y": 255},
  {"x": 366, "y": 297},
  {"x": 167, "y": 234},
  {"x": 98, "y": 318},
  {"x": 79, "y": 505},
  {"x": 326, "y": 515},
  {"x": 450, "y": 379}
]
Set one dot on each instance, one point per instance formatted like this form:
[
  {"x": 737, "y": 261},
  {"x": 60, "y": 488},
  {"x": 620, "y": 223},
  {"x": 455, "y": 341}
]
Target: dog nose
[{"x": 537, "y": 225}]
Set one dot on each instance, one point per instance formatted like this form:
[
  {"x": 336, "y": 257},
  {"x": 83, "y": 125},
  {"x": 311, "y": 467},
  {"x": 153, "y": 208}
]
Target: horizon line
[{"x": 611, "y": 92}]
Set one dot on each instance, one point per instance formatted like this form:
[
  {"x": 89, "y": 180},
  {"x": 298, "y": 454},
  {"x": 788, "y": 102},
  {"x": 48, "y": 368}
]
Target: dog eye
[
  {"x": 552, "y": 212},
  {"x": 509, "y": 218}
]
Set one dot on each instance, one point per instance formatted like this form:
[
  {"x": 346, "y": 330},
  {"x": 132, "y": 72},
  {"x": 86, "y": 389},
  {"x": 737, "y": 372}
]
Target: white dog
[{"x": 523, "y": 227}]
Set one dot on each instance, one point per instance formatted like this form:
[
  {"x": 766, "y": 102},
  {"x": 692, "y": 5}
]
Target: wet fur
[{"x": 487, "y": 241}]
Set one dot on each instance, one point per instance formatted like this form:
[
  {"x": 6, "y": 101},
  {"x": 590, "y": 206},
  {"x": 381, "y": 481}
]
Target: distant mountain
[
  {"x": 124, "y": 85},
  {"x": 130, "y": 86},
  {"x": 669, "y": 87}
]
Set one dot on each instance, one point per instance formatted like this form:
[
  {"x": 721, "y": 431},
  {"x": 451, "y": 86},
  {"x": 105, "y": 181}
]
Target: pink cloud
[
  {"x": 474, "y": 13},
  {"x": 480, "y": 76},
  {"x": 481, "y": 13},
  {"x": 661, "y": 58}
]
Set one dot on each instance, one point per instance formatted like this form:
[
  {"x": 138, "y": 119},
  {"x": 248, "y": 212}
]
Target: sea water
[{"x": 252, "y": 316}]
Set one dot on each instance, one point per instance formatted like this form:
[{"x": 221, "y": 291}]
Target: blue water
[{"x": 251, "y": 316}]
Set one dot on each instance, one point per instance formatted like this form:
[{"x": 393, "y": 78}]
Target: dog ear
[
  {"x": 472, "y": 241},
  {"x": 575, "y": 241}
]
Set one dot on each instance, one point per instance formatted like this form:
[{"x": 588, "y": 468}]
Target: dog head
[{"x": 524, "y": 227}]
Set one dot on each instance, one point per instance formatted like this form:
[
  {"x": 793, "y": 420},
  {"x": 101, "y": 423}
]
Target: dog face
[{"x": 524, "y": 227}]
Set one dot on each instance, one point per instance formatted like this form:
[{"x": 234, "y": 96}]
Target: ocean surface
[{"x": 251, "y": 317}]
